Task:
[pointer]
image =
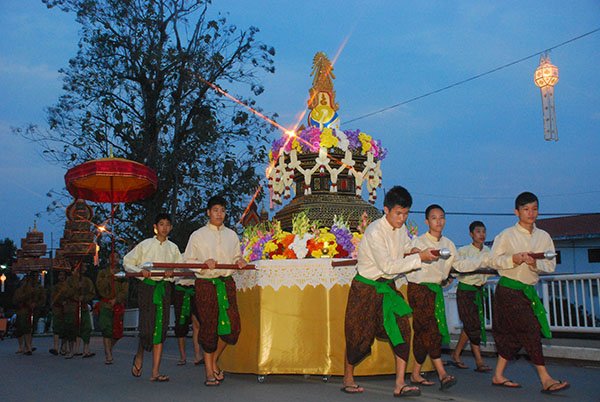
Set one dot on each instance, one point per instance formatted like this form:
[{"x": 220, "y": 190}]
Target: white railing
[{"x": 571, "y": 302}]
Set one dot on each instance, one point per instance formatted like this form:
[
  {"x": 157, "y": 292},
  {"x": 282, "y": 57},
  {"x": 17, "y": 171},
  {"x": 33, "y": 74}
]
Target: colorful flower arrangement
[
  {"x": 306, "y": 240},
  {"x": 311, "y": 139}
]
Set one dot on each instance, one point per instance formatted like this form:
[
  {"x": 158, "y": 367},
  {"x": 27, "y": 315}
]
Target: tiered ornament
[{"x": 322, "y": 164}]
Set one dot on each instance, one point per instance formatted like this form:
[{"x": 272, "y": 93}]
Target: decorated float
[{"x": 292, "y": 306}]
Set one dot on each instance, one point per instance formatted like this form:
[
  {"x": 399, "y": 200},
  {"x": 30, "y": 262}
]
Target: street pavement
[{"x": 44, "y": 377}]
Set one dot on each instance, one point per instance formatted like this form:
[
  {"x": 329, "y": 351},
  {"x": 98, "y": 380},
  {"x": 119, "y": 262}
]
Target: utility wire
[{"x": 471, "y": 78}]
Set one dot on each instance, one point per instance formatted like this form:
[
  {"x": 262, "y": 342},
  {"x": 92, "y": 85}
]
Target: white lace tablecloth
[{"x": 288, "y": 273}]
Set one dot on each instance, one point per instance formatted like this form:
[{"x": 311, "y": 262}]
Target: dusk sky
[{"x": 471, "y": 148}]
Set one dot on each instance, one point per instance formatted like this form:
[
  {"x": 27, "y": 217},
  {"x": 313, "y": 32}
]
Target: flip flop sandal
[
  {"x": 88, "y": 355},
  {"x": 424, "y": 382},
  {"x": 447, "y": 382},
  {"x": 199, "y": 362},
  {"x": 459, "y": 365},
  {"x": 505, "y": 384},
  {"x": 211, "y": 382},
  {"x": 108, "y": 362},
  {"x": 551, "y": 389},
  {"x": 135, "y": 370},
  {"x": 160, "y": 378},
  {"x": 181, "y": 362},
  {"x": 483, "y": 369},
  {"x": 219, "y": 375},
  {"x": 408, "y": 392},
  {"x": 352, "y": 389}
]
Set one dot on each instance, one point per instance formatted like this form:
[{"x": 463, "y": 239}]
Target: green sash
[
  {"x": 157, "y": 299},
  {"x": 224, "y": 326},
  {"x": 186, "y": 306},
  {"x": 479, "y": 303},
  {"x": 536, "y": 304},
  {"x": 393, "y": 304},
  {"x": 439, "y": 310}
]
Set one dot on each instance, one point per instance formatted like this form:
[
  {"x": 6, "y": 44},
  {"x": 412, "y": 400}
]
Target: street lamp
[{"x": 545, "y": 77}]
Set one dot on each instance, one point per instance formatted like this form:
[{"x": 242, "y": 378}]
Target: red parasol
[{"x": 111, "y": 180}]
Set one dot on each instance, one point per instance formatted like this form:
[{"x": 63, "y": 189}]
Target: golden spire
[{"x": 322, "y": 95}]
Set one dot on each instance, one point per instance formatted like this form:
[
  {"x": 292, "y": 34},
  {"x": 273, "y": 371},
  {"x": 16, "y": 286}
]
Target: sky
[{"x": 471, "y": 148}]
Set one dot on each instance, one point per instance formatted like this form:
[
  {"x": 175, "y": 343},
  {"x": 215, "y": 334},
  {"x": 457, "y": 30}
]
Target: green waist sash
[
  {"x": 536, "y": 304},
  {"x": 479, "y": 293},
  {"x": 157, "y": 299},
  {"x": 393, "y": 304},
  {"x": 439, "y": 310},
  {"x": 186, "y": 306},
  {"x": 224, "y": 326}
]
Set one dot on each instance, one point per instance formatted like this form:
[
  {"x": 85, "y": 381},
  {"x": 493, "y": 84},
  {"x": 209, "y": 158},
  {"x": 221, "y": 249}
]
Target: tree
[
  {"x": 139, "y": 85},
  {"x": 8, "y": 252}
]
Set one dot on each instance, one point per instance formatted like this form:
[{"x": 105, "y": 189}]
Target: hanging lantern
[
  {"x": 545, "y": 77},
  {"x": 2, "y": 279}
]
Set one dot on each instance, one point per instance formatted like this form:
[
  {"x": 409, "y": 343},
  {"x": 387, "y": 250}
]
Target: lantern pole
[{"x": 545, "y": 77}]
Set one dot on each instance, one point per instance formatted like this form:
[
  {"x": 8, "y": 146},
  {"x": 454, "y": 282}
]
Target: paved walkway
[{"x": 43, "y": 377}]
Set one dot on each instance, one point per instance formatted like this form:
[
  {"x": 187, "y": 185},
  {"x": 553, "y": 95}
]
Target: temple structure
[{"x": 326, "y": 168}]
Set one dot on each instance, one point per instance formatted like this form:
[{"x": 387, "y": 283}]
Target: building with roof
[{"x": 577, "y": 242}]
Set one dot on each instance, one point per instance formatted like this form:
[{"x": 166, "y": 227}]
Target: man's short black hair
[
  {"x": 432, "y": 207},
  {"x": 475, "y": 224},
  {"x": 397, "y": 195},
  {"x": 161, "y": 216},
  {"x": 216, "y": 200},
  {"x": 525, "y": 198}
]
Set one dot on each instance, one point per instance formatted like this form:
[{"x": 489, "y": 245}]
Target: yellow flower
[
  {"x": 328, "y": 140},
  {"x": 296, "y": 146},
  {"x": 365, "y": 140},
  {"x": 270, "y": 246}
]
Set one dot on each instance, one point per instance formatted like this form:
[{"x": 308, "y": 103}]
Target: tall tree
[{"x": 139, "y": 85}]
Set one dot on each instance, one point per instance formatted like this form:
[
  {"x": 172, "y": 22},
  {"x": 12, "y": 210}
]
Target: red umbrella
[{"x": 111, "y": 180}]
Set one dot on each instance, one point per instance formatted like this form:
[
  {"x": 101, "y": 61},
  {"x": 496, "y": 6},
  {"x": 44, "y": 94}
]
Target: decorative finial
[{"x": 322, "y": 95}]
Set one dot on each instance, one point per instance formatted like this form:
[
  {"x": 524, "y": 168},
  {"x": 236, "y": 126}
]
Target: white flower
[
  {"x": 299, "y": 245},
  {"x": 343, "y": 142}
]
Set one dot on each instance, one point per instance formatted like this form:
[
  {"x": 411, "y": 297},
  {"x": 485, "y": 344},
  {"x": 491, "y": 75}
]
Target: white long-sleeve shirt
[
  {"x": 219, "y": 243},
  {"x": 438, "y": 271},
  {"x": 151, "y": 250},
  {"x": 381, "y": 252},
  {"x": 517, "y": 239},
  {"x": 470, "y": 251}
]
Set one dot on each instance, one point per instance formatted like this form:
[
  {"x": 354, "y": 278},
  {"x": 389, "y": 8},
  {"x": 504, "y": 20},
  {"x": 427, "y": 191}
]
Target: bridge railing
[{"x": 571, "y": 302}]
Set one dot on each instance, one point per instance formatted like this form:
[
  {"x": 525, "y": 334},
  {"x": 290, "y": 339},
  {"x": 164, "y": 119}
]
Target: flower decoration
[
  {"x": 306, "y": 240},
  {"x": 323, "y": 246},
  {"x": 412, "y": 228},
  {"x": 311, "y": 139}
]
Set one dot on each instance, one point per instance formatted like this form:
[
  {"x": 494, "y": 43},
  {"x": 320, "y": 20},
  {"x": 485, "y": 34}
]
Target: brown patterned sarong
[
  {"x": 364, "y": 322},
  {"x": 148, "y": 313},
  {"x": 207, "y": 308},
  {"x": 427, "y": 338},
  {"x": 469, "y": 315},
  {"x": 515, "y": 326},
  {"x": 181, "y": 330}
]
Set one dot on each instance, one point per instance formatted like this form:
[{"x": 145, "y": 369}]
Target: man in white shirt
[
  {"x": 425, "y": 296},
  {"x": 216, "y": 300},
  {"x": 519, "y": 317},
  {"x": 381, "y": 259},
  {"x": 470, "y": 300},
  {"x": 154, "y": 294}
]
